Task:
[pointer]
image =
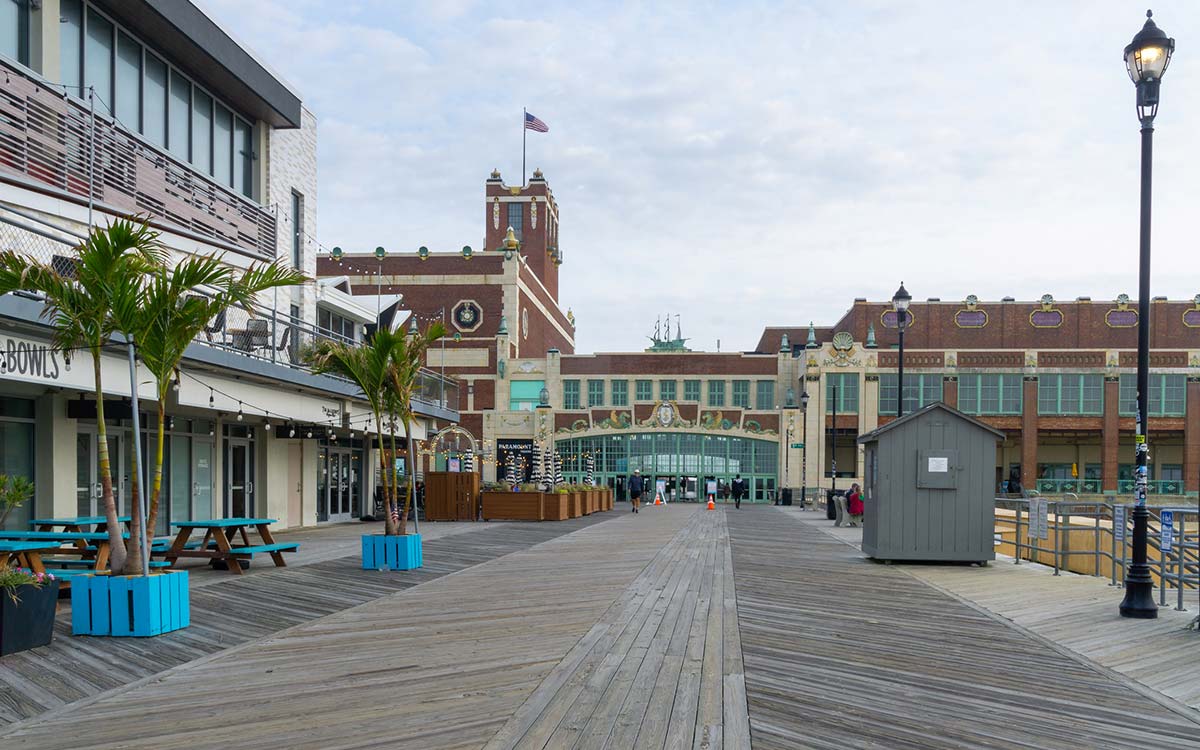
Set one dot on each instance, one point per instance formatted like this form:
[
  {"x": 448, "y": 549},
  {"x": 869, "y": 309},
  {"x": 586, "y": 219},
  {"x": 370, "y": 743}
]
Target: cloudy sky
[{"x": 754, "y": 163}]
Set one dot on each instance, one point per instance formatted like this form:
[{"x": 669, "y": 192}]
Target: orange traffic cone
[
  {"x": 658, "y": 498},
  {"x": 711, "y": 504}
]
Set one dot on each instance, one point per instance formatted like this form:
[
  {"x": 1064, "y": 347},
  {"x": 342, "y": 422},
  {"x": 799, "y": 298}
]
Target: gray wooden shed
[{"x": 928, "y": 487}]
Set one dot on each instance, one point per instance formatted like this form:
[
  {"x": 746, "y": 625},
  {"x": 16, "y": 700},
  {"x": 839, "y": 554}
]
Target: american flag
[{"x": 533, "y": 123}]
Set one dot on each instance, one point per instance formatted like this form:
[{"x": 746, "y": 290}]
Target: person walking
[
  {"x": 854, "y": 505},
  {"x": 636, "y": 485},
  {"x": 738, "y": 489}
]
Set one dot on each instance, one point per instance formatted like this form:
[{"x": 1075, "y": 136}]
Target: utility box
[{"x": 928, "y": 487}]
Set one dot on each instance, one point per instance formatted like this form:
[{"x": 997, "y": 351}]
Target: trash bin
[
  {"x": 787, "y": 495},
  {"x": 830, "y": 505}
]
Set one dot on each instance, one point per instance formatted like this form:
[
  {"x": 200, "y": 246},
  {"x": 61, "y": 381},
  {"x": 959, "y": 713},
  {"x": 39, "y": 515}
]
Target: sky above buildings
[{"x": 750, "y": 164}]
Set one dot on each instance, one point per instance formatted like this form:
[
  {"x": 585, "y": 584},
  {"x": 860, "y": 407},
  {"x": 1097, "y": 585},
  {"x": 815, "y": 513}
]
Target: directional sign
[
  {"x": 1167, "y": 529},
  {"x": 1119, "y": 522},
  {"x": 797, "y": 446}
]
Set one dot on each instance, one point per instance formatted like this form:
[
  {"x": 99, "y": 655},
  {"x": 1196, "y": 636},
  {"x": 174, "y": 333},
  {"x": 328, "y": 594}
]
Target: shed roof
[{"x": 874, "y": 434}]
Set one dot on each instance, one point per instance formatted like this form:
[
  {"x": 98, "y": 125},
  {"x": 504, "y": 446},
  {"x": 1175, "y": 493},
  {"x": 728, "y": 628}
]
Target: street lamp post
[
  {"x": 900, "y": 302},
  {"x": 804, "y": 443},
  {"x": 1146, "y": 58},
  {"x": 830, "y": 510}
]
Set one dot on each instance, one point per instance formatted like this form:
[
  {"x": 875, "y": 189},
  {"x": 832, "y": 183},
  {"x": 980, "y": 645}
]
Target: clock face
[{"x": 666, "y": 415}]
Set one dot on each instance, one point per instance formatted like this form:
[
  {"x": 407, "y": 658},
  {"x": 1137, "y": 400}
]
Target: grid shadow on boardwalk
[
  {"x": 841, "y": 652},
  {"x": 242, "y": 609}
]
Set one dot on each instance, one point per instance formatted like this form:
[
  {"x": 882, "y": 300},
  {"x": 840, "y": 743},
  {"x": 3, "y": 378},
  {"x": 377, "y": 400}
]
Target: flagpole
[{"x": 524, "y": 130}]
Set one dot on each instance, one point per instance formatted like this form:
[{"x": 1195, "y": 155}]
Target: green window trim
[
  {"x": 570, "y": 394},
  {"x": 1076, "y": 394},
  {"x": 764, "y": 395},
  {"x": 846, "y": 385},
  {"x": 741, "y": 394},
  {"x": 666, "y": 390},
  {"x": 1168, "y": 395},
  {"x": 994, "y": 394},
  {"x": 716, "y": 393},
  {"x": 920, "y": 390},
  {"x": 524, "y": 395},
  {"x": 645, "y": 390},
  {"x": 595, "y": 393},
  {"x": 691, "y": 390},
  {"x": 620, "y": 393}
]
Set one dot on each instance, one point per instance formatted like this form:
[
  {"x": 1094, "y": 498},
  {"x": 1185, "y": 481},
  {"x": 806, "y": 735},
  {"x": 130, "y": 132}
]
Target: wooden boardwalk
[
  {"x": 841, "y": 652},
  {"x": 228, "y": 611},
  {"x": 673, "y": 628}
]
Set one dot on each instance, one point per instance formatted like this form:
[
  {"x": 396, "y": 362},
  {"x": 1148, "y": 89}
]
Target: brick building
[{"x": 1056, "y": 377}]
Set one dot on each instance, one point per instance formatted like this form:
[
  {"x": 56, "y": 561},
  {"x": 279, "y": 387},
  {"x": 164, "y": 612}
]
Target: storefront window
[{"x": 16, "y": 451}]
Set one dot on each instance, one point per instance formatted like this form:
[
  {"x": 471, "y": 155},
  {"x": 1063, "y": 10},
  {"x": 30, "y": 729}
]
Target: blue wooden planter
[
  {"x": 130, "y": 605},
  {"x": 391, "y": 552}
]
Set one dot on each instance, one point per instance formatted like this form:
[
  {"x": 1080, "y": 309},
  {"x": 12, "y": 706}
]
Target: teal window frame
[
  {"x": 620, "y": 392},
  {"x": 595, "y": 392},
  {"x": 571, "y": 394},
  {"x": 992, "y": 394},
  {"x": 847, "y": 392},
  {"x": 741, "y": 394},
  {"x": 1168, "y": 395},
  {"x": 1071, "y": 394},
  {"x": 691, "y": 390},
  {"x": 920, "y": 390},
  {"x": 716, "y": 393},
  {"x": 524, "y": 395},
  {"x": 764, "y": 395},
  {"x": 667, "y": 390},
  {"x": 645, "y": 390}
]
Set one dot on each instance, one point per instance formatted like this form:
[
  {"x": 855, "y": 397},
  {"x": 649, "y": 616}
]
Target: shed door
[{"x": 937, "y": 469}]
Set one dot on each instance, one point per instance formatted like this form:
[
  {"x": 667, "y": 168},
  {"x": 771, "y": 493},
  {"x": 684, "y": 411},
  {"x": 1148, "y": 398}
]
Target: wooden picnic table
[
  {"x": 216, "y": 546},
  {"x": 76, "y": 523},
  {"x": 90, "y": 545},
  {"x": 26, "y": 554}
]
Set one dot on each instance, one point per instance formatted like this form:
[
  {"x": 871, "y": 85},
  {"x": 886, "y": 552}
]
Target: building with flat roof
[{"x": 150, "y": 108}]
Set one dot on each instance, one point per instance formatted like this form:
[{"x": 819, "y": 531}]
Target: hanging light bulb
[
  {"x": 240, "y": 416},
  {"x": 67, "y": 360},
  {"x": 309, "y": 432},
  {"x": 175, "y": 383},
  {"x": 210, "y": 397},
  {"x": 292, "y": 431}
]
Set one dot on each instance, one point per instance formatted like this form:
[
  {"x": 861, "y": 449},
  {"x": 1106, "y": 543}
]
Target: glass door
[
  {"x": 89, "y": 493},
  {"x": 239, "y": 487},
  {"x": 356, "y": 473},
  {"x": 338, "y": 495},
  {"x": 323, "y": 479},
  {"x": 202, "y": 478}
]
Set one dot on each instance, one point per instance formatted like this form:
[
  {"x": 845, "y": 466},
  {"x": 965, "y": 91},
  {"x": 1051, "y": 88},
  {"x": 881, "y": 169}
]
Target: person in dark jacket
[
  {"x": 636, "y": 485},
  {"x": 739, "y": 490}
]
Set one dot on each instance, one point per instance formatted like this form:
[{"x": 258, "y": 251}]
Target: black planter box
[{"x": 28, "y": 622}]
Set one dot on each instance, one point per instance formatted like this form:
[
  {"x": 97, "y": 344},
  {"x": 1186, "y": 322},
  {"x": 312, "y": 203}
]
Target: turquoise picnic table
[
  {"x": 76, "y": 523},
  {"x": 91, "y": 547},
  {"x": 26, "y": 554},
  {"x": 217, "y": 547}
]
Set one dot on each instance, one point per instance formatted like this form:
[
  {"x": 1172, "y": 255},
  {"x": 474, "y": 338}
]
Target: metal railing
[
  {"x": 1059, "y": 486},
  {"x": 1103, "y": 532},
  {"x": 52, "y": 139}
]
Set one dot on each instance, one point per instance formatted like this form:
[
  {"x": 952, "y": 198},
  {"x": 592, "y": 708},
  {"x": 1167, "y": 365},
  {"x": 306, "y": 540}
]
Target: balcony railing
[
  {"x": 48, "y": 137},
  {"x": 1078, "y": 486}
]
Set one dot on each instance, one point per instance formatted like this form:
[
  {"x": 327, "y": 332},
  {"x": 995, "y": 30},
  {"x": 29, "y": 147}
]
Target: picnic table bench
[
  {"x": 216, "y": 546},
  {"x": 26, "y": 554},
  {"x": 76, "y": 523},
  {"x": 89, "y": 545}
]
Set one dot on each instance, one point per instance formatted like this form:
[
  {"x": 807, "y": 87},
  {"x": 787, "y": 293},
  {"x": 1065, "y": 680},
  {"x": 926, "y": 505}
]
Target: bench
[
  {"x": 270, "y": 548},
  {"x": 89, "y": 564}
]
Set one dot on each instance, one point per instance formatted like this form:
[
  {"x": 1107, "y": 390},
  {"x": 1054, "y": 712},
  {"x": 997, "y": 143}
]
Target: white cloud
[{"x": 755, "y": 163}]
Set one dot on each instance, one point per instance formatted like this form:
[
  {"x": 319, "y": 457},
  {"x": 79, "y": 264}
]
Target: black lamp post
[
  {"x": 1146, "y": 57},
  {"x": 804, "y": 443},
  {"x": 900, "y": 301},
  {"x": 830, "y": 509}
]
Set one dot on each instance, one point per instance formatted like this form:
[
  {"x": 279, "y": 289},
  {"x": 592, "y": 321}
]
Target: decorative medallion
[
  {"x": 1191, "y": 318},
  {"x": 495, "y": 213},
  {"x": 467, "y": 315},
  {"x": 1122, "y": 316},
  {"x": 533, "y": 212},
  {"x": 1048, "y": 316},
  {"x": 525, "y": 323},
  {"x": 888, "y": 319},
  {"x": 843, "y": 348},
  {"x": 1113, "y": 360},
  {"x": 1031, "y": 359},
  {"x": 665, "y": 414},
  {"x": 951, "y": 359},
  {"x": 527, "y": 367},
  {"x": 971, "y": 316}
]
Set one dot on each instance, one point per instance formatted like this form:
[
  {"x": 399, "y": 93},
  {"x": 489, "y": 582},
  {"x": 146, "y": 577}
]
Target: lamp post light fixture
[
  {"x": 804, "y": 442},
  {"x": 1146, "y": 58},
  {"x": 900, "y": 302}
]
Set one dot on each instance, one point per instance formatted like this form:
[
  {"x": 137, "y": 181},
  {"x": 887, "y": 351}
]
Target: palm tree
[
  {"x": 408, "y": 356},
  {"x": 84, "y": 304},
  {"x": 367, "y": 367},
  {"x": 179, "y": 302}
]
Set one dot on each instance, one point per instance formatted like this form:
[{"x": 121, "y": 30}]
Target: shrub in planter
[
  {"x": 105, "y": 604},
  {"x": 27, "y": 602},
  {"x": 394, "y": 552}
]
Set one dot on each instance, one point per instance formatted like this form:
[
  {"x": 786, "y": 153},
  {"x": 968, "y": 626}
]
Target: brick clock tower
[{"x": 533, "y": 215}]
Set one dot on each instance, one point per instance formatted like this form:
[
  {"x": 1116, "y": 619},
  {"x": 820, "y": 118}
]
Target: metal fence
[{"x": 1095, "y": 538}]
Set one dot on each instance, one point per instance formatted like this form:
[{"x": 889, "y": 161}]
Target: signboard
[
  {"x": 710, "y": 487},
  {"x": 939, "y": 464},
  {"x": 797, "y": 446},
  {"x": 1167, "y": 529},
  {"x": 400, "y": 467},
  {"x": 518, "y": 452},
  {"x": 1039, "y": 527},
  {"x": 454, "y": 465},
  {"x": 1119, "y": 523},
  {"x": 660, "y": 487}
]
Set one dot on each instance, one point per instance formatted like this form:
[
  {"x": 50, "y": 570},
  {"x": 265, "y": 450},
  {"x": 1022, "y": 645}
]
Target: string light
[
  {"x": 292, "y": 431},
  {"x": 240, "y": 416}
]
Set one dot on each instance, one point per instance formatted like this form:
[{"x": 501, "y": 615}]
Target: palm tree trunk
[
  {"x": 116, "y": 541},
  {"x": 388, "y": 527},
  {"x": 156, "y": 490},
  {"x": 396, "y": 482},
  {"x": 412, "y": 473},
  {"x": 133, "y": 552}
]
